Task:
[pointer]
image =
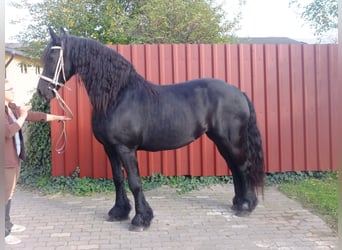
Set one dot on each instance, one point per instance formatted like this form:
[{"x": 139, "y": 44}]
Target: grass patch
[{"x": 319, "y": 195}]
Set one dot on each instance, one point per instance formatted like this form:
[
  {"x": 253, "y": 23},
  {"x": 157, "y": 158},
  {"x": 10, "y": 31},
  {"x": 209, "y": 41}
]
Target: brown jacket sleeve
[{"x": 36, "y": 116}]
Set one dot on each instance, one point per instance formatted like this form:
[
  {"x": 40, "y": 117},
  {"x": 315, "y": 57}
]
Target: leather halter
[{"x": 61, "y": 102}]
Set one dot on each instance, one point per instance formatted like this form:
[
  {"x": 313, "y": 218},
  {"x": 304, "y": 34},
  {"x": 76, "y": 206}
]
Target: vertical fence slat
[
  {"x": 245, "y": 66},
  {"x": 206, "y": 70},
  {"x": 298, "y": 112},
  {"x": 166, "y": 77},
  {"x": 309, "y": 112},
  {"x": 272, "y": 110},
  {"x": 232, "y": 54},
  {"x": 71, "y": 151},
  {"x": 84, "y": 130},
  {"x": 180, "y": 75},
  {"x": 335, "y": 77},
  {"x": 285, "y": 141},
  {"x": 152, "y": 74},
  {"x": 259, "y": 92},
  {"x": 323, "y": 108},
  {"x": 192, "y": 73},
  {"x": 219, "y": 72}
]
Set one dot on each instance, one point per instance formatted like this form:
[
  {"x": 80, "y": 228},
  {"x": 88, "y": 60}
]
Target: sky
[
  {"x": 260, "y": 18},
  {"x": 265, "y": 18}
]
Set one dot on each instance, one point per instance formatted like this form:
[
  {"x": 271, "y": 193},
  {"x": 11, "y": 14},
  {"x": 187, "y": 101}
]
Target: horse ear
[
  {"x": 53, "y": 34},
  {"x": 63, "y": 32}
]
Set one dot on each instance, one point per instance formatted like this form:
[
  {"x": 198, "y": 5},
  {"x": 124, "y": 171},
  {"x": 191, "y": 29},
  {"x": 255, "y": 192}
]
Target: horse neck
[{"x": 103, "y": 71}]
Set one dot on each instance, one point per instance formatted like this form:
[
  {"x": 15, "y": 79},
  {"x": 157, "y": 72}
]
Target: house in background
[
  {"x": 268, "y": 40},
  {"x": 22, "y": 71}
]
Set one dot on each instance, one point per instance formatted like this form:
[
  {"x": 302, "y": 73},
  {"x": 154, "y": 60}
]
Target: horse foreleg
[
  {"x": 143, "y": 212},
  {"x": 121, "y": 208}
]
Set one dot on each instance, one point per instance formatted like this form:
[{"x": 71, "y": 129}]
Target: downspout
[{"x": 9, "y": 61}]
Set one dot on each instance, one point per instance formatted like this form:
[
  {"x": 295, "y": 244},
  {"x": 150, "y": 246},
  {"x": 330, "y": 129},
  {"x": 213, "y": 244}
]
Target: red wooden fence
[{"x": 294, "y": 88}]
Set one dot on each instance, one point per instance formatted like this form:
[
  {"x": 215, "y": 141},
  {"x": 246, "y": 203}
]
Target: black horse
[{"x": 130, "y": 114}]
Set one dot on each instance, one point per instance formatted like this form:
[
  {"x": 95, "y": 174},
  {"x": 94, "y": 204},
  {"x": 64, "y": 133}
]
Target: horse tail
[{"x": 254, "y": 150}]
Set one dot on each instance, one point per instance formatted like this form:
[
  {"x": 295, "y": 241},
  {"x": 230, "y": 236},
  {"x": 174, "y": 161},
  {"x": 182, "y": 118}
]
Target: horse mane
[{"x": 103, "y": 70}]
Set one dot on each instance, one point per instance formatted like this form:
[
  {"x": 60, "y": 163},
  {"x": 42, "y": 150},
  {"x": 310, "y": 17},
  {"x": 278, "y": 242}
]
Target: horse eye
[
  {"x": 51, "y": 86},
  {"x": 51, "y": 55}
]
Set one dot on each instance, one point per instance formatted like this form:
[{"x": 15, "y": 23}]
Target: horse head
[{"x": 57, "y": 69}]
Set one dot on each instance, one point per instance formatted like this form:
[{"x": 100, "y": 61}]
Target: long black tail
[{"x": 255, "y": 150}]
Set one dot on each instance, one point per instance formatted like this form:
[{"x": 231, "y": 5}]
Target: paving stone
[{"x": 198, "y": 220}]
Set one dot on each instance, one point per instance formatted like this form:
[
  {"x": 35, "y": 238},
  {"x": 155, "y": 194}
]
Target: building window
[{"x": 23, "y": 68}]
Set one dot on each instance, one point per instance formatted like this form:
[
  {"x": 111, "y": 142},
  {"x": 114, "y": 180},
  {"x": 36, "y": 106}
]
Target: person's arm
[
  {"x": 36, "y": 116},
  {"x": 51, "y": 117}
]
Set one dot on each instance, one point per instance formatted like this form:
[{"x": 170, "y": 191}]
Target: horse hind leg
[
  {"x": 245, "y": 199},
  {"x": 249, "y": 158},
  {"x": 235, "y": 155}
]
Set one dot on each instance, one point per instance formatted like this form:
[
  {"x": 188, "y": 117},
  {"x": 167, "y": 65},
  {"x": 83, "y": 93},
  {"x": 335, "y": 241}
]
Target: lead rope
[
  {"x": 62, "y": 104},
  {"x": 63, "y": 135}
]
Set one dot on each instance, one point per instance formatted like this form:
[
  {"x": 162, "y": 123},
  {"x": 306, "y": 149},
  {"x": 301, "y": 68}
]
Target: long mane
[{"x": 104, "y": 71}]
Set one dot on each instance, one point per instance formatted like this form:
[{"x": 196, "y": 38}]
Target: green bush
[{"x": 38, "y": 145}]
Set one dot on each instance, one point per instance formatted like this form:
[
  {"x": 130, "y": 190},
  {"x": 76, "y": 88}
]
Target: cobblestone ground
[{"x": 197, "y": 220}]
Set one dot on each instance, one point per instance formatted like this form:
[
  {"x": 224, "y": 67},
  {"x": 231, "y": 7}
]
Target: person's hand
[
  {"x": 23, "y": 110},
  {"x": 62, "y": 118}
]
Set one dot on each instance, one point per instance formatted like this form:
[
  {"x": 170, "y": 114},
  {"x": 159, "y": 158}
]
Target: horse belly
[
  {"x": 171, "y": 136},
  {"x": 159, "y": 144}
]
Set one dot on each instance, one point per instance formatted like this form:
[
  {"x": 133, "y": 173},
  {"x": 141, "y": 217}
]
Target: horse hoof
[
  {"x": 134, "y": 228},
  {"x": 113, "y": 219},
  {"x": 241, "y": 210},
  {"x": 242, "y": 213}
]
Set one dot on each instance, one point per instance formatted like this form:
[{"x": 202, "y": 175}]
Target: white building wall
[{"x": 24, "y": 83}]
